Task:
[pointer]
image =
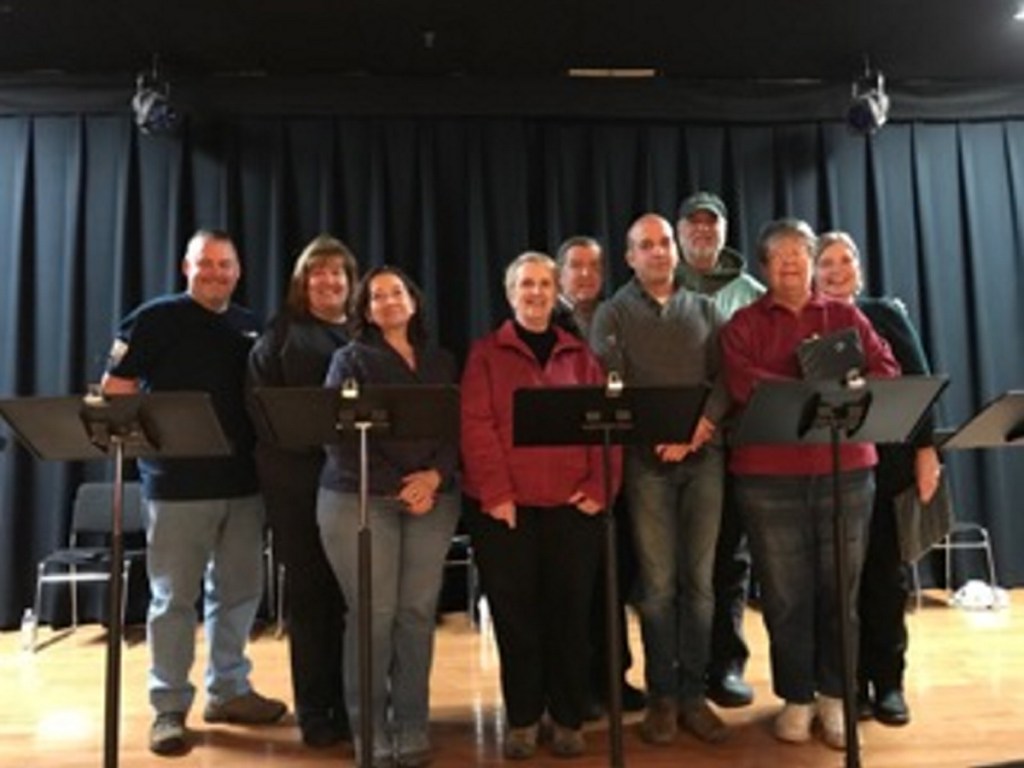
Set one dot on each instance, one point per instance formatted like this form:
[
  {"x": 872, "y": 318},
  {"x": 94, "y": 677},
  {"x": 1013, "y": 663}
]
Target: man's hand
[{"x": 676, "y": 452}]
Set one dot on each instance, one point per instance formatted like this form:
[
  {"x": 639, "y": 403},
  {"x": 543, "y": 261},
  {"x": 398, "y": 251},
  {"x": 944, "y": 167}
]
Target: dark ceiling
[{"x": 822, "y": 40}]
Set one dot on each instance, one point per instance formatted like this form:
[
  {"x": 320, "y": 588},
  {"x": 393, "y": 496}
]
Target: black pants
[
  {"x": 313, "y": 600},
  {"x": 539, "y": 579},
  {"x": 883, "y": 590},
  {"x": 729, "y": 651}
]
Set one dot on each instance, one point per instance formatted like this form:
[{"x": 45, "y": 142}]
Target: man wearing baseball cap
[{"x": 710, "y": 267}]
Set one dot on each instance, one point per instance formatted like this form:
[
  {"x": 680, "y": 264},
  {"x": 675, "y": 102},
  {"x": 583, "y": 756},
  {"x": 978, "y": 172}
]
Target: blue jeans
[
  {"x": 789, "y": 523},
  {"x": 407, "y": 554},
  {"x": 676, "y": 510},
  {"x": 216, "y": 545}
]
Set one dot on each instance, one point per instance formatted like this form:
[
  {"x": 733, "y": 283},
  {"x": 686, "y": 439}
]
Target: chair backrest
[{"x": 93, "y": 503}]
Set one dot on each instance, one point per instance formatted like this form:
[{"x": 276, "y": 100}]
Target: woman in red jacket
[{"x": 535, "y": 525}]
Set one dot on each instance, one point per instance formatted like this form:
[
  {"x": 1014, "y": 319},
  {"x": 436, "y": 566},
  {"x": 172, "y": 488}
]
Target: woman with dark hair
[
  {"x": 413, "y": 508},
  {"x": 294, "y": 351},
  {"x": 883, "y": 586}
]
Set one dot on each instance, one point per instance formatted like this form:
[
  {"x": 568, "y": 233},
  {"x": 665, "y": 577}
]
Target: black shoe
[
  {"x": 633, "y": 699},
  {"x": 891, "y": 708},
  {"x": 865, "y": 710},
  {"x": 321, "y": 732},
  {"x": 730, "y": 691},
  {"x": 593, "y": 710}
]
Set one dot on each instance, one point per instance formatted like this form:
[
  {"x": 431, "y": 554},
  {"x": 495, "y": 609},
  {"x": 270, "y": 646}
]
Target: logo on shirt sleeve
[{"x": 117, "y": 352}]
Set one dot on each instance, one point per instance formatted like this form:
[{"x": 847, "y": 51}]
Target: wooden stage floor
[{"x": 965, "y": 687}]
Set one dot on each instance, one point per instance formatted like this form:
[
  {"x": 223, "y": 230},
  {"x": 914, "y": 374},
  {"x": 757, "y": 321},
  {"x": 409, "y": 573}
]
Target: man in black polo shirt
[{"x": 205, "y": 517}]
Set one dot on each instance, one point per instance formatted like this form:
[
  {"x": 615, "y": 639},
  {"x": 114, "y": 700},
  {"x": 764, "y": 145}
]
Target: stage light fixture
[
  {"x": 869, "y": 104},
  {"x": 155, "y": 114}
]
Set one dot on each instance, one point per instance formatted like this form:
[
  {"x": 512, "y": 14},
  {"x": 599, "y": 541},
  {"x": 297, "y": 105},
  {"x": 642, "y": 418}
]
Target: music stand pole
[
  {"x": 365, "y": 570},
  {"x": 836, "y": 418},
  {"x": 115, "y": 600},
  {"x": 612, "y": 629}
]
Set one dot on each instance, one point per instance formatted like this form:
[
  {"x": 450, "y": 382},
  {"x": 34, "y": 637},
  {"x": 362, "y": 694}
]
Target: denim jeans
[
  {"x": 676, "y": 511},
  {"x": 789, "y": 523},
  {"x": 216, "y": 544},
  {"x": 407, "y": 554}
]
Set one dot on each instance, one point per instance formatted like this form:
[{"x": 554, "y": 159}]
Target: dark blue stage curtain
[{"x": 94, "y": 219}]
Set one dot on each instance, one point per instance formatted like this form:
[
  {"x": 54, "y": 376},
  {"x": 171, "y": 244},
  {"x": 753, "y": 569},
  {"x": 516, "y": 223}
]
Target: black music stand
[
  {"x": 999, "y": 424},
  {"x": 307, "y": 417},
  {"x": 160, "y": 425},
  {"x": 866, "y": 411},
  {"x": 610, "y": 415}
]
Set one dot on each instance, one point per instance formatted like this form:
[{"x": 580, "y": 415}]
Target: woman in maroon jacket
[{"x": 535, "y": 525}]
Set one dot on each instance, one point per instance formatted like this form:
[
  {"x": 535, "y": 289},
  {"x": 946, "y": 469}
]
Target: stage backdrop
[{"x": 94, "y": 218}]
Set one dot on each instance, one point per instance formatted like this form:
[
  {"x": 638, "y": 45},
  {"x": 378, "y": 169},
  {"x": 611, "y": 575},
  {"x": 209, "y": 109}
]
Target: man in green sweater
[{"x": 710, "y": 267}]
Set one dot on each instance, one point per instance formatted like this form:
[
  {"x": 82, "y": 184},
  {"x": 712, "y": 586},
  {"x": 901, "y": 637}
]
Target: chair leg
[
  {"x": 473, "y": 588},
  {"x": 991, "y": 561},
  {"x": 38, "y": 606},
  {"x": 915, "y": 577},
  {"x": 282, "y": 574},
  {"x": 950, "y": 586},
  {"x": 74, "y": 598},
  {"x": 126, "y": 575}
]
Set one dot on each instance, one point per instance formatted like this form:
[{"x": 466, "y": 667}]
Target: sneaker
[
  {"x": 567, "y": 742},
  {"x": 167, "y": 735},
  {"x": 248, "y": 709},
  {"x": 521, "y": 743},
  {"x": 659, "y": 725},
  {"x": 830, "y": 715},
  {"x": 890, "y": 708},
  {"x": 730, "y": 690},
  {"x": 793, "y": 723},
  {"x": 412, "y": 746},
  {"x": 700, "y": 720},
  {"x": 383, "y": 756}
]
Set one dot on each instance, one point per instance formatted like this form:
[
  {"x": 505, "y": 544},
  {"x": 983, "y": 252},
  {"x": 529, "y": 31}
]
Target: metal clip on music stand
[
  {"x": 307, "y": 417},
  {"x": 868, "y": 411},
  {"x": 609, "y": 415},
  {"x": 159, "y": 425}
]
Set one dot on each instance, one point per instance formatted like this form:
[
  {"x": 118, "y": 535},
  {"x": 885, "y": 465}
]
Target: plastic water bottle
[{"x": 28, "y": 630}]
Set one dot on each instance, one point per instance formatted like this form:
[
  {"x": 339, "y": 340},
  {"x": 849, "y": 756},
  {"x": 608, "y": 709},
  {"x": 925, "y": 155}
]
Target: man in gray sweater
[{"x": 655, "y": 332}]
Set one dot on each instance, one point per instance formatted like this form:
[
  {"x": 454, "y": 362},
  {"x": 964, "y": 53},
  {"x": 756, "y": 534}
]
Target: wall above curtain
[
  {"x": 781, "y": 40},
  {"x": 656, "y": 98}
]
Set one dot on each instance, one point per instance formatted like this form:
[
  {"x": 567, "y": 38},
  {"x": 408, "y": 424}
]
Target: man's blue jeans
[
  {"x": 676, "y": 510},
  {"x": 408, "y": 553},
  {"x": 216, "y": 544},
  {"x": 789, "y": 521}
]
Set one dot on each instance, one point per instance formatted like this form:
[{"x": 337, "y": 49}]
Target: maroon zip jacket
[{"x": 545, "y": 476}]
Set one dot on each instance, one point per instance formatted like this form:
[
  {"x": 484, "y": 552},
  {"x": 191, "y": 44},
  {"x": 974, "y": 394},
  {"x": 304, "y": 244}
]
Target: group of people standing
[{"x": 688, "y": 509}]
